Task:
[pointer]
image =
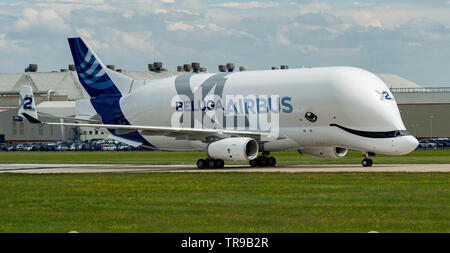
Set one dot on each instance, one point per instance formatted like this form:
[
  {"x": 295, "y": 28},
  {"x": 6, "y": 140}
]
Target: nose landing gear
[{"x": 367, "y": 162}]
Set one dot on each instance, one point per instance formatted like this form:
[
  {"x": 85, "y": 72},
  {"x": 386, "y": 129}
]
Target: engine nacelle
[
  {"x": 324, "y": 152},
  {"x": 234, "y": 149}
]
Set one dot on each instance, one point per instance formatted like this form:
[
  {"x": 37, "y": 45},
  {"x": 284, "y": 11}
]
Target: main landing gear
[
  {"x": 210, "y": 163},
  {"x": 367, "y": 162},
  {"x": 263, "y": 161}
]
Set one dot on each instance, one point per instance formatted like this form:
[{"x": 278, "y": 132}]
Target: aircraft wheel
[
  {"x": 272, "y": 161},
  {"x": 366, "y": 162},
  {"x": 210, "y": 163},
  {"x": 201, "y": 163},
  {"x": 262, "y": 161},
  {"x": 219, "y": 163},
  {"x": 253, "y": 163}
]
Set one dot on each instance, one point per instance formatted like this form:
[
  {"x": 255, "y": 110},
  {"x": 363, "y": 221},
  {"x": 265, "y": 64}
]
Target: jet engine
[
  {"x": 324, "y": 152},
  {"x": 234, "y": 149}
]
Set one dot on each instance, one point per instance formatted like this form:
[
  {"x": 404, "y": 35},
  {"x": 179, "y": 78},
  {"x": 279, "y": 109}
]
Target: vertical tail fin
[
  {"x": 94, "y": 76},
  {"x": 104, "y": 86},
  {"x": 27, "y": 107}
]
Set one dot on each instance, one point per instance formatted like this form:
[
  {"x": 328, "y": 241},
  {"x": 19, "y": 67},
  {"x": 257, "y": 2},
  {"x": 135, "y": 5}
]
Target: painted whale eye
[{"x": 311, "y": 117}]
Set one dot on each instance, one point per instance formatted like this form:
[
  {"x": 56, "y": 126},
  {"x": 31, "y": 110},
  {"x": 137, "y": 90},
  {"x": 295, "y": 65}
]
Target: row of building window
[{"x": 18, "y": 128}]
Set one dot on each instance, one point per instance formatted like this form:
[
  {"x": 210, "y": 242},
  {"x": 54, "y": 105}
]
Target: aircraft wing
[
  {"x": 28, "y": 110},
  {"x": 158, "y": 130}
]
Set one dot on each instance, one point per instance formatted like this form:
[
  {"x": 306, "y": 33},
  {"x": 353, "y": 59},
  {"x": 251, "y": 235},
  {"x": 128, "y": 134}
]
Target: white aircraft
[{"x": 321, "y": 112}]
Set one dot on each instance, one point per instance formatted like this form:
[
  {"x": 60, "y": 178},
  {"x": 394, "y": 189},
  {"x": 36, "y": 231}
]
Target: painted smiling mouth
[{"x": 370, "y": 134}]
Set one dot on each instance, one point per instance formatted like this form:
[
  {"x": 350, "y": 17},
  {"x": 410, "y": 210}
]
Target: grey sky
[{"x": 408, "y": 38}]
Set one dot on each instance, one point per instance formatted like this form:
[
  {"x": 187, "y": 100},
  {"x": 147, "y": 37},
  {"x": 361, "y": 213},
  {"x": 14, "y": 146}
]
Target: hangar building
[
  {"x": 425, "y": 111},
  {"x": 55, "y": 93}
]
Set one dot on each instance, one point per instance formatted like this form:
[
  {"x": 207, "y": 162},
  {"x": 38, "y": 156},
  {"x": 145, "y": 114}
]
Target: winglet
[{"x": 27, "y": 107}]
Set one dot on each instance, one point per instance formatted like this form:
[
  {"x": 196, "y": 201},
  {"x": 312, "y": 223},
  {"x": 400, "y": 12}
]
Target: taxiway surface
[{"x": 120, "y": 168}]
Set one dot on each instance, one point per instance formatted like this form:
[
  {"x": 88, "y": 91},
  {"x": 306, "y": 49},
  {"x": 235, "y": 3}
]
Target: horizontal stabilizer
[{"x": 31, "y": 119}]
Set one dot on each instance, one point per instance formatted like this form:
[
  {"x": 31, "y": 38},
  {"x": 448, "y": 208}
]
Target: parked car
[
  {"x": 62, "y": 147},
  {"x": 37, "y": 146},
  {"x": 20, "y": 147},
  {"x": 123, "y": 147},
  {"x": 49, "y": 146},
  {"x": 447, "y": 144},
  {"x": 89, "y": 145},
  {"x": 428, "y": 144},
  {"x": 28, "y": 147},
  {"x": 109, "y": 147},
  {"x": 73, "y": 147}
]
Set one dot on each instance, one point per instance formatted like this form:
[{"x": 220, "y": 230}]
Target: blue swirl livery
[
  {"x": 91, "y": 71},
  {"x": 104, "y": 92}
]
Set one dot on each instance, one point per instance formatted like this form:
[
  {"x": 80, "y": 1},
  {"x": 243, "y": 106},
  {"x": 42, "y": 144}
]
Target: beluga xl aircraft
[{"x": 234, "y": 116}]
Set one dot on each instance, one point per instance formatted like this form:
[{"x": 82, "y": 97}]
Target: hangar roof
[
  {"x": 147, "y": 75},
  {"x": 395, "y": 81},
  {"x": 60, "y": 108},
  {"x": 63, "y": 83},
  {"x": 53, "y": 104},
  {"x": 66, "y": 83}
]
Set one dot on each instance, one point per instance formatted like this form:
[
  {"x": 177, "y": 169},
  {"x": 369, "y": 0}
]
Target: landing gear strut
[
  {"x": 210, "y": 163},
  {"x": 263, "y": 160},
  {"x": 366, "y": 162}
]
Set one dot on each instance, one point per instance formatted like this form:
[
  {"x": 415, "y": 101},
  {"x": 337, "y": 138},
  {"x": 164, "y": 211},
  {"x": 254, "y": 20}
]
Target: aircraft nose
[{"x": 407, "y": 144}]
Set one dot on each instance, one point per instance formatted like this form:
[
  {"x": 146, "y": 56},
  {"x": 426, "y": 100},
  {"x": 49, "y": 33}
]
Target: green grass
[
  {"x": 225, "y": 202},
  {"x": 162, "y": 157}
]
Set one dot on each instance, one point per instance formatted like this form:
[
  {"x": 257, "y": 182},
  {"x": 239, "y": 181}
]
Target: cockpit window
[
  {"x": 403, "y": 133},
  {"x": 388, "y": 134}
]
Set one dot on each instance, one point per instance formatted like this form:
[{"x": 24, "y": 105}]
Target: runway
[{"x": 120, "y": 168}]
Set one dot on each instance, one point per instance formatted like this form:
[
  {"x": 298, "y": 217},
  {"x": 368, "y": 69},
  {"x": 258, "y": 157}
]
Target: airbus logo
[{"x": 239, "y": 104}]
